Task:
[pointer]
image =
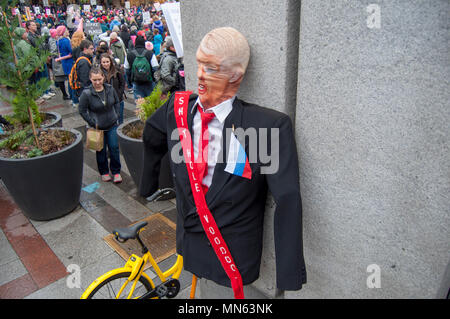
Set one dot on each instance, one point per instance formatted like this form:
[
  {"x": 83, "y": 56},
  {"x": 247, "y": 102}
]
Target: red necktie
[{"x": 202, "y": 156}]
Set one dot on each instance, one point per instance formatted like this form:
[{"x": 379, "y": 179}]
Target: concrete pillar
[
  {"x": 271, "y": 28},
  {"x": 372, "y": 127}
]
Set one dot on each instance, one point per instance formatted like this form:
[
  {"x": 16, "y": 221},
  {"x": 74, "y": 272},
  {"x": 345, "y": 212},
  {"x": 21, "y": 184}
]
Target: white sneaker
[
  {"x": 51, "y": 94},
  {"x": 46, "y": 96},
  {"x": 106, "y": 178},
  {"x": 117, "y": 178}
]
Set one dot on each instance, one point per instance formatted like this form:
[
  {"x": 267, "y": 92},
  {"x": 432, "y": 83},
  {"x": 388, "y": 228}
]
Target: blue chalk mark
[{"x": 91, "y": 188}]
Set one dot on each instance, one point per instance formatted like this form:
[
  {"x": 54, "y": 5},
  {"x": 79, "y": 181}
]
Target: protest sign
[
  {"x": 92, "y": 28},
  {"x": 28, "y": 13},
  {"x": 172, "y": 14},
  {"x": 146, "y": 17}
]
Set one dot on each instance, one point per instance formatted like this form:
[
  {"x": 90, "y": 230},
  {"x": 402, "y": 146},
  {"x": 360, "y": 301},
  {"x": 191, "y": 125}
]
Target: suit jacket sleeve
[
  {"x": 284, "y": 186},
  {"x": 155, "y": 147}
]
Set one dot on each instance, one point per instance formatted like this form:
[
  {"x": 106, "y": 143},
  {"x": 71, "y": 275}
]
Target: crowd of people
[{"x": 96, "y": 70}]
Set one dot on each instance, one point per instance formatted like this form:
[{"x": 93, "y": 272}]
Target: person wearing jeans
[
  {"x": 110, "y": 141},
  {"x": 141, "y": 91},
  {"x": 99, "y": 107}
]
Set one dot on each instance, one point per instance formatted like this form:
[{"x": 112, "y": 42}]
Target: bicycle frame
[{"x": 136, "y": 265}]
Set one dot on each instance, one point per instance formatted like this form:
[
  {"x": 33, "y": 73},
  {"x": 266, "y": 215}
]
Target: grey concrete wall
[
  {"x": 371, "y": 110},
  {"x": 372, "y": 127}
]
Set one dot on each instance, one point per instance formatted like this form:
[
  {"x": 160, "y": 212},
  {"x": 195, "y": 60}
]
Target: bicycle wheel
[{"x": 108, "y": 288}]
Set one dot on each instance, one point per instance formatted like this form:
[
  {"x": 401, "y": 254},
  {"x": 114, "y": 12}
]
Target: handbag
[
  {"x": 94, "y": 139},
  {"x": 57, "y": 66}
]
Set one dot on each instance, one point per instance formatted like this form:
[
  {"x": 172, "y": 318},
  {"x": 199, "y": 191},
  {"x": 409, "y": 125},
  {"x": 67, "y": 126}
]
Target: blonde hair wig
[{"x": 230, "y": 45}]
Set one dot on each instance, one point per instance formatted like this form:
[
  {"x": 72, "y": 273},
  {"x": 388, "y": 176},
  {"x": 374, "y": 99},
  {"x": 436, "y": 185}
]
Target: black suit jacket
[{"x": 237, "y": 203}]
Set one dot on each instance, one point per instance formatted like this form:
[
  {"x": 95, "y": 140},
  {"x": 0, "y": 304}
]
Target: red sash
[{"x": 206, "y": 218}]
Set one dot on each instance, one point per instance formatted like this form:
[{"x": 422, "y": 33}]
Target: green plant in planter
[
  {"x": 19, "y": 62},
  {"x": 145, "y": 107}
]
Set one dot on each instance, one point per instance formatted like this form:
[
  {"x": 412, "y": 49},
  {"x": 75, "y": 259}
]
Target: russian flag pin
[{"x": 237, "y": 161}]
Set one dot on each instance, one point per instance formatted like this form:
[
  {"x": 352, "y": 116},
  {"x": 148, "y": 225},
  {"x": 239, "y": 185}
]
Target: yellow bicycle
[{"x": 130, "y": 281}]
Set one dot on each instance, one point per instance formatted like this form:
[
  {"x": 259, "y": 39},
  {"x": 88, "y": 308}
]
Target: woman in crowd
[
  {"x": 59, "y": 77},
  {"x": 125, "y": 35},
  {"x": 114, "y": 77},
  {"x": 157, "y": 41},
  {"x": 101, "y": 48},
  {"x": 133, "y": 35},
  {"x": 117, "y": 48},
  {"x": 65, "y": 57},
  {"x": 77, "y": 37},
  {"x": 99, "y": 107}
]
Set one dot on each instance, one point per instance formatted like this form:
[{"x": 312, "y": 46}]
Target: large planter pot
[
  {"x": 56, "y": 120},
  {"x": 49, "y": 186},
  {"x": 132, "y": 150}
]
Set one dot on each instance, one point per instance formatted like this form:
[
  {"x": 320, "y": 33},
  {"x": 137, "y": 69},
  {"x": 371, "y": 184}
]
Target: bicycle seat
[{"x": 129, "y": 232}]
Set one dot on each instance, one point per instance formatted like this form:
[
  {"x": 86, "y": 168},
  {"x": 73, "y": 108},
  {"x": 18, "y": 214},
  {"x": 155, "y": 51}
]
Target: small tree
[
  {"x": 145, "y": 107},
  {"x": 15, "y": 72}
]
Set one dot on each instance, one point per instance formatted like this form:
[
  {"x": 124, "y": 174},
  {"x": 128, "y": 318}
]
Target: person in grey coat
[{"x": 169, "y": 67}]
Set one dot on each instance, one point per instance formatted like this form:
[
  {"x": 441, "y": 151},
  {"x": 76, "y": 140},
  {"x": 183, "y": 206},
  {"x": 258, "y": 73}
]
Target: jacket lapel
[{"x": 220, "y": 177}]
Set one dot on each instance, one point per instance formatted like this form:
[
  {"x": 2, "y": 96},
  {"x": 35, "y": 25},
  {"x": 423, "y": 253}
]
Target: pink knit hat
[
  {"x": 53, "y": 33},
  {"x": 149, "y": 45},
  {"x": 60, "y": 30}
]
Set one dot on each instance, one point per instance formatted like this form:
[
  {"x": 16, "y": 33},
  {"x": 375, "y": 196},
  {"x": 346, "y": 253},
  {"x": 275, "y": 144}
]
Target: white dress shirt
[{"x": 215, "y": 128}]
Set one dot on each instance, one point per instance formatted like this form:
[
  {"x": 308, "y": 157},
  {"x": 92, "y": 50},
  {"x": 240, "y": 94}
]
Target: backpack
[
  {"x": 73, "y": 76},
  {"x": 141, "y": 70}
]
